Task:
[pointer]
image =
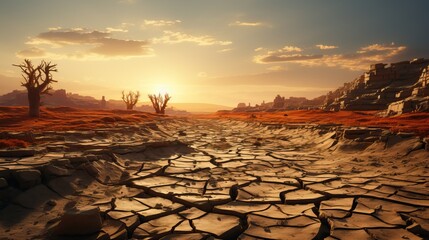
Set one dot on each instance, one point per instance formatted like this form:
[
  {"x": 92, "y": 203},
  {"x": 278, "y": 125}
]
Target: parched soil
[{"x": 217, "y": 179}]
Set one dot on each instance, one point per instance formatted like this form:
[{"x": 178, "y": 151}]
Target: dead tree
[
  {"x": 159, "y": 102},
  {"x": 38, "y": 81},
  {"x": 130, "y": 99}
]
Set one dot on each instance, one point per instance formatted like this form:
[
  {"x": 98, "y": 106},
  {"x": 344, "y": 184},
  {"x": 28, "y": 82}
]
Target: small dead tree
[
  {"x": 38, "y": 81},
  {"x": 130, "y": 99},
  {"x": 159, "y": 102}
]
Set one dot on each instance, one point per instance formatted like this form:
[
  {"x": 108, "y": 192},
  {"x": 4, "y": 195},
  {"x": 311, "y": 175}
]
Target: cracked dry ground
[{"x": 218, "y": 179}]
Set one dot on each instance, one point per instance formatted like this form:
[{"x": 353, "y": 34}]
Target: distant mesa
[
  {"x": 281, "y": 103},
  {"x": 394, "y": 89}
]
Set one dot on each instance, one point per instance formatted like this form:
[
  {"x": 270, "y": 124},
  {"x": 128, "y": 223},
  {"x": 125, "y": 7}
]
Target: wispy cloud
[
  {"x": 326, "y": 47},
  {"x": 81, "y": 43},
  {"x": 61, "y": 37},
  {"x": 225, "y": 50},
  {"x": 160, "y": 22},
  {"x": 171, "y": 37},
  {"x": 246, "y": 24},
  {"x": 289, "y": 49},
  {"x": 284, "y": 54},
  {"x": 285, "y": 58},
  {"x": 276, "y": 68},
  {"x": 31, "y": 52},
  {"x": 359, "y": 60},
  {"x": 110, "y": 29}
]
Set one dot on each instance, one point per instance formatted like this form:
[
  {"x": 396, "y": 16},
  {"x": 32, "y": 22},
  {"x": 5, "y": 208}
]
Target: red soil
[
  {"x": 65, "y": 118},
  {"x": 13, "y": 143},
  {"x": 410, "y": 122}
]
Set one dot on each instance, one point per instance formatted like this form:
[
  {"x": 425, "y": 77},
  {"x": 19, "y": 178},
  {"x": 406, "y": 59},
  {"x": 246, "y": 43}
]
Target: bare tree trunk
[
  {"x": 38, "y": 81},
  {"x": 33, "y": 103},
  {"x": 130, "y": 99},
  {"x": 159, "y": 102}
]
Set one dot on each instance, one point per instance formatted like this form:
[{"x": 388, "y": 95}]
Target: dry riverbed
[{"x": 215, "y": 179}]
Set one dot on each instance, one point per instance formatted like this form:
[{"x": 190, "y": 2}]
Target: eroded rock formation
[{"x": 398, "y": 88}]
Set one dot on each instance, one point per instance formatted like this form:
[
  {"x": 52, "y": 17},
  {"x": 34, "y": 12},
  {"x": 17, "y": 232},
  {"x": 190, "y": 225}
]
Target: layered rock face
[
  {"x": 415, "y": 98},
  {"x": 400, "y": 87}
]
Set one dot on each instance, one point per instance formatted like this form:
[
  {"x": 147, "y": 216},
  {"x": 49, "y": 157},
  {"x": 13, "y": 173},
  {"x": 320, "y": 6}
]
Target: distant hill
[
  {"x": 281, "y": 104},
  {"x": 61, "y": 97},
  {"x": 54, "y": 99}
]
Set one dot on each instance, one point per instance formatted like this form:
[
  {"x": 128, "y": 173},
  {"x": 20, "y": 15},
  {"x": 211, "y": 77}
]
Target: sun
[
  {"x": 162, "y": 84},
  {"x": 161, "y": 88}
]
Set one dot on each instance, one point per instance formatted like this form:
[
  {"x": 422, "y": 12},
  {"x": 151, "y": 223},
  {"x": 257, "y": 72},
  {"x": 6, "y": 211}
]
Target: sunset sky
[{"x": 222, "y": 52}]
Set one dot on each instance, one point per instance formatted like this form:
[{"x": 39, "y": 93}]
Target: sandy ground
[{"x": 178, "y": 178}]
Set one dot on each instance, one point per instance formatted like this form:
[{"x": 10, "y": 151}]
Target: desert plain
[{"x": 104, "y": 174}]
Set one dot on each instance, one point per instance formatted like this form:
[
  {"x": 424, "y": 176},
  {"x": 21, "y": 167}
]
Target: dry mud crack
[{"x": 216, "y": 179}]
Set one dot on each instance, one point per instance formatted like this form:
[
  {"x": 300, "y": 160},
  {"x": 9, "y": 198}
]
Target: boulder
[
  {"x": 55, "y": 171},
  {"x": 426, "y": 141},
  {"x": 362, "y": 133},
  {"x": 83, "y": 221},
  {"x": 27, "y": 178},
  {"x": 35, "y": 197},
  {"x": 17, "y": 153},
  {"x": 3, "y": 183}
]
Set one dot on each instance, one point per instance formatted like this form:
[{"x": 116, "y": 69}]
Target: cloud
[
  {"x": 285, "y": 58},
  {"x": 377, "y": 47},
  {"x": 246, "y": 24},
  {"x": 283, "y": 54},
  {"x": 276, "y": 68},
  {"x": 171, "y": 37},
  {"x": 122, "y": 48},
  {"x": 109, "y": 29},
  {"x": 287, "y": 49},
  {"x": 32, "y": 52},
  {"x": 62, "y": 37},
  {"x": 80, "y": 43},
  {"x": 358, "y": 60},
  {"x": 326, "y": 47},
  {"x": 225, "y": 50},
  {"x": 160, "y": 23}
]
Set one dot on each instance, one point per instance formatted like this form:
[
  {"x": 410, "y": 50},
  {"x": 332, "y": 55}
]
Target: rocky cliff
[{"x": 396, "y": 88}]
